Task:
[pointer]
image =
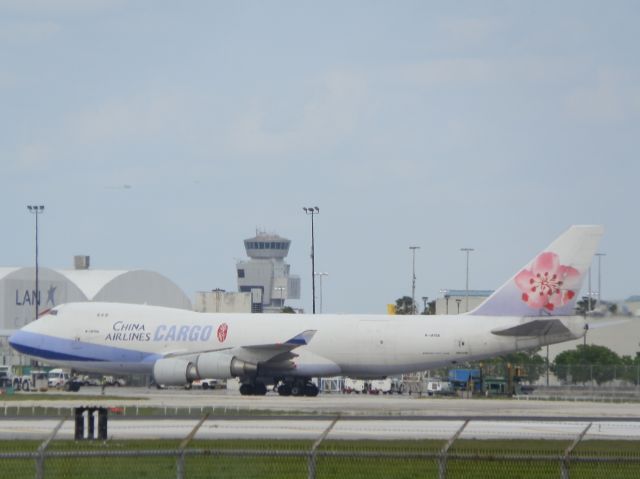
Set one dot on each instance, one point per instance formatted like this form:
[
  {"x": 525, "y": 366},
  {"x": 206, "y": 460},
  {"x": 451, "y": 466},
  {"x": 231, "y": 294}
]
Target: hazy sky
[{"x": 491, "y": 125}]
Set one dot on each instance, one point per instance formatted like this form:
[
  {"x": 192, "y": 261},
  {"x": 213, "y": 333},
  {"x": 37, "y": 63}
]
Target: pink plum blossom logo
[
  {"x": 548, "y": 284},
  {"x": 222, "y": 332}
]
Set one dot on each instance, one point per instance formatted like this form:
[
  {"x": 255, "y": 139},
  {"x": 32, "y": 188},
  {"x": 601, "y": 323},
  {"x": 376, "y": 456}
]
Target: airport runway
[
  {"x": 348, "y": 405},
  {"x": 311, "y": 429},
  {"x": 364, "y": 417}
]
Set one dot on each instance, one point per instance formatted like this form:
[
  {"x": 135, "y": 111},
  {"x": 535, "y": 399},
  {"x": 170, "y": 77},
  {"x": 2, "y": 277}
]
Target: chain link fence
[{"x": 459, "y": 456}]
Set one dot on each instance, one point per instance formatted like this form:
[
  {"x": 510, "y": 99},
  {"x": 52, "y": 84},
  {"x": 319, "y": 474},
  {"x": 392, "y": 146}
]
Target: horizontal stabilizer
[
  {"x": 536, "y": 328},
  {"x": 606, "y": 323}
]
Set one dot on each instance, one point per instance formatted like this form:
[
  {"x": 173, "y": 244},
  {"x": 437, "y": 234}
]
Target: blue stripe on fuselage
[{"x": 52, "y": 348}]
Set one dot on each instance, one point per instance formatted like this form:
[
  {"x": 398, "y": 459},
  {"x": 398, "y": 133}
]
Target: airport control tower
[{"x": 266, "y": 275}]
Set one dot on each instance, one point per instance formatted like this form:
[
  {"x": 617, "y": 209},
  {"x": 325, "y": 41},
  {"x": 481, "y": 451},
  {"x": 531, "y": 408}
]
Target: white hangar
[{"x": 18, "y": 295}]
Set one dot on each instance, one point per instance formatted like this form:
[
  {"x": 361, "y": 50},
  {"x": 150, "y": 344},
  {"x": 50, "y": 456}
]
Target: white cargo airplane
[{"x": 534, "y": 308}]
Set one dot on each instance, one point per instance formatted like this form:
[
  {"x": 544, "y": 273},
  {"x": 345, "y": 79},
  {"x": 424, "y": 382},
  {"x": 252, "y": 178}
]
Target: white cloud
[
  {"x": 450, "y": 72},
  {"x": 610, "y": 97},
  {"x": 468, "y": 32},
  {"x": 324, "y": 119},
  {"x": 58, "y": 6},
  {"x": 122, "y": 119},
  {"x": 7, "y": 79},
  {"x": 33, "y": 157},
  {"x": 30, "y": 32}
]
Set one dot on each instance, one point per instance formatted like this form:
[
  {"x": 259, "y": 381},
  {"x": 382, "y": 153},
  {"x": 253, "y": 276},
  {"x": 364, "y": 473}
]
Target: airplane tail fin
[{"x": 551, "y": 282}]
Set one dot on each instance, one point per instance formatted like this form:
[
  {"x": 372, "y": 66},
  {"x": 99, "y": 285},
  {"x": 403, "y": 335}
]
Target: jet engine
[
  {"x": 177, "y": 371},
  {"x": 223, "y": 366},
  {"x": 174, "y": 372}
]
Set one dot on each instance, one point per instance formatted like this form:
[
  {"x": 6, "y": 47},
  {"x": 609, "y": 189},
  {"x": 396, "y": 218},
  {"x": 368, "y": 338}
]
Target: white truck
[
  {"x": 35, "y": 381},
  {"x": 6, "y": 377},
  {"x": 357, "y": 386},
  {"x": 58, "y": 378},
  {"x": 204, "y": 384},
  {"x": 62, "y": 379},
  {"x": 373, "y": 386},
  {"x": 437, "y": 387}
]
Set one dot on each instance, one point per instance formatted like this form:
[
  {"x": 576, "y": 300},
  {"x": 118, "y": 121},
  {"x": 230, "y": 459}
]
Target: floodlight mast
[
  {"x": 37, "y": 210},
  {"x": 312, "y": 211}
]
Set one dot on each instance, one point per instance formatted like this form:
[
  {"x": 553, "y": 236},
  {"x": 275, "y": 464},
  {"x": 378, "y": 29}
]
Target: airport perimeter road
[{"x": 331, "y": 404}]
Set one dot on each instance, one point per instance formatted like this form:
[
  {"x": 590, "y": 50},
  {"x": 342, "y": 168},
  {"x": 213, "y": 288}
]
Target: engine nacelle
[
  {"x": 223, "y": 366},
  {"x": 174, "y": 372}
]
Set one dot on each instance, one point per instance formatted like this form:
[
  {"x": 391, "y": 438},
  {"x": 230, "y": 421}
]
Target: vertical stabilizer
[{"x": 551, "y": 282}]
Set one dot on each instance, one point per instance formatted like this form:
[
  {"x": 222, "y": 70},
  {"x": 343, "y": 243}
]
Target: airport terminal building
[{"x": 18, "y": 296}]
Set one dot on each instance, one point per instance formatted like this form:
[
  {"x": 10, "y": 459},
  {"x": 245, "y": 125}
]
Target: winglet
[{"x": 302, "y": 339}]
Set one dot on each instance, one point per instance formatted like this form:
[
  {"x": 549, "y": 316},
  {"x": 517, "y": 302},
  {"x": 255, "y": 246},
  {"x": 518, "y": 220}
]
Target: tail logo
[
  {"x": 222, "y": 332},
  {"x": 547, "y": 284}
]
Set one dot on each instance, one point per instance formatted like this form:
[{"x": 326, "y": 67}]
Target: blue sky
[{"x": 492, "y": 125}]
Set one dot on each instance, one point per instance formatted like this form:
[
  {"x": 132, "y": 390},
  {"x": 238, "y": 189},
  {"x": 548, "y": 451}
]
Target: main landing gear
[
  {"x": 298, "y": 388},
  {"x": 253, "y": 389}
]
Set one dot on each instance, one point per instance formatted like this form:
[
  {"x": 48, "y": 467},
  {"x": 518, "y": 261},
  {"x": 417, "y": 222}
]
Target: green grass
[{"x": 219, "y": 462}]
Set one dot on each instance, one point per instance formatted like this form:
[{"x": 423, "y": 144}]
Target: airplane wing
[
  {"x": 258, "y": 353},
  {"x": 538, "y": 327},
  {"x": 274, "y": 352}
]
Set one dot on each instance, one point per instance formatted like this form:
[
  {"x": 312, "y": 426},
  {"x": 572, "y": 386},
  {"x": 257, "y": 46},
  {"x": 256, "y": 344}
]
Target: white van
[{"x": 58, "y": 378}]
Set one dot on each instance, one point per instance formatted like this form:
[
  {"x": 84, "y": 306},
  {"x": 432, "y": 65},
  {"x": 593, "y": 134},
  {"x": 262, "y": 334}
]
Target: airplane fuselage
[{"x": 117, "y": 338}]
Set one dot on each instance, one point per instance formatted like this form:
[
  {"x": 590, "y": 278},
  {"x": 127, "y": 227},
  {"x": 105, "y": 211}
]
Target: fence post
[
  {"x": 442, "y": 460},
  {"x": 564, "y": 464},
  {"x": 43, "y": 448},
  {"x": 311, "y": 461},
  {"x": 183, "y": 445}
]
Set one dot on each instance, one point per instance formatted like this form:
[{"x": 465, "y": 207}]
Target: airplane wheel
[
  {"x": 284, "y": 390},
  {"x": 260, "y": 389},
  {"x": 311, "y": 390},
  {"x": 246, "y": 390},
  {"x": 297, "y": 390}
]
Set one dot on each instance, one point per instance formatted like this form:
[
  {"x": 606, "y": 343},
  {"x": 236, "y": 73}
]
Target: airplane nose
[
  {"x": 14, "y": 340},
  {"x": 19, "y": 341}
]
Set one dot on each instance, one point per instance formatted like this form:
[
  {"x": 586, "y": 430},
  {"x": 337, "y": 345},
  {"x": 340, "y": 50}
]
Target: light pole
[
  {"x": 312, "y": 211},
  {"x": 467, "y": 250},
  {"x": 589, "y": 300},
  {"x": 413, "y": 282},
  {"x": 36, "y": 210},
  {"x": 320, "y": 275},
  {"x": 600, "y": 255}
]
